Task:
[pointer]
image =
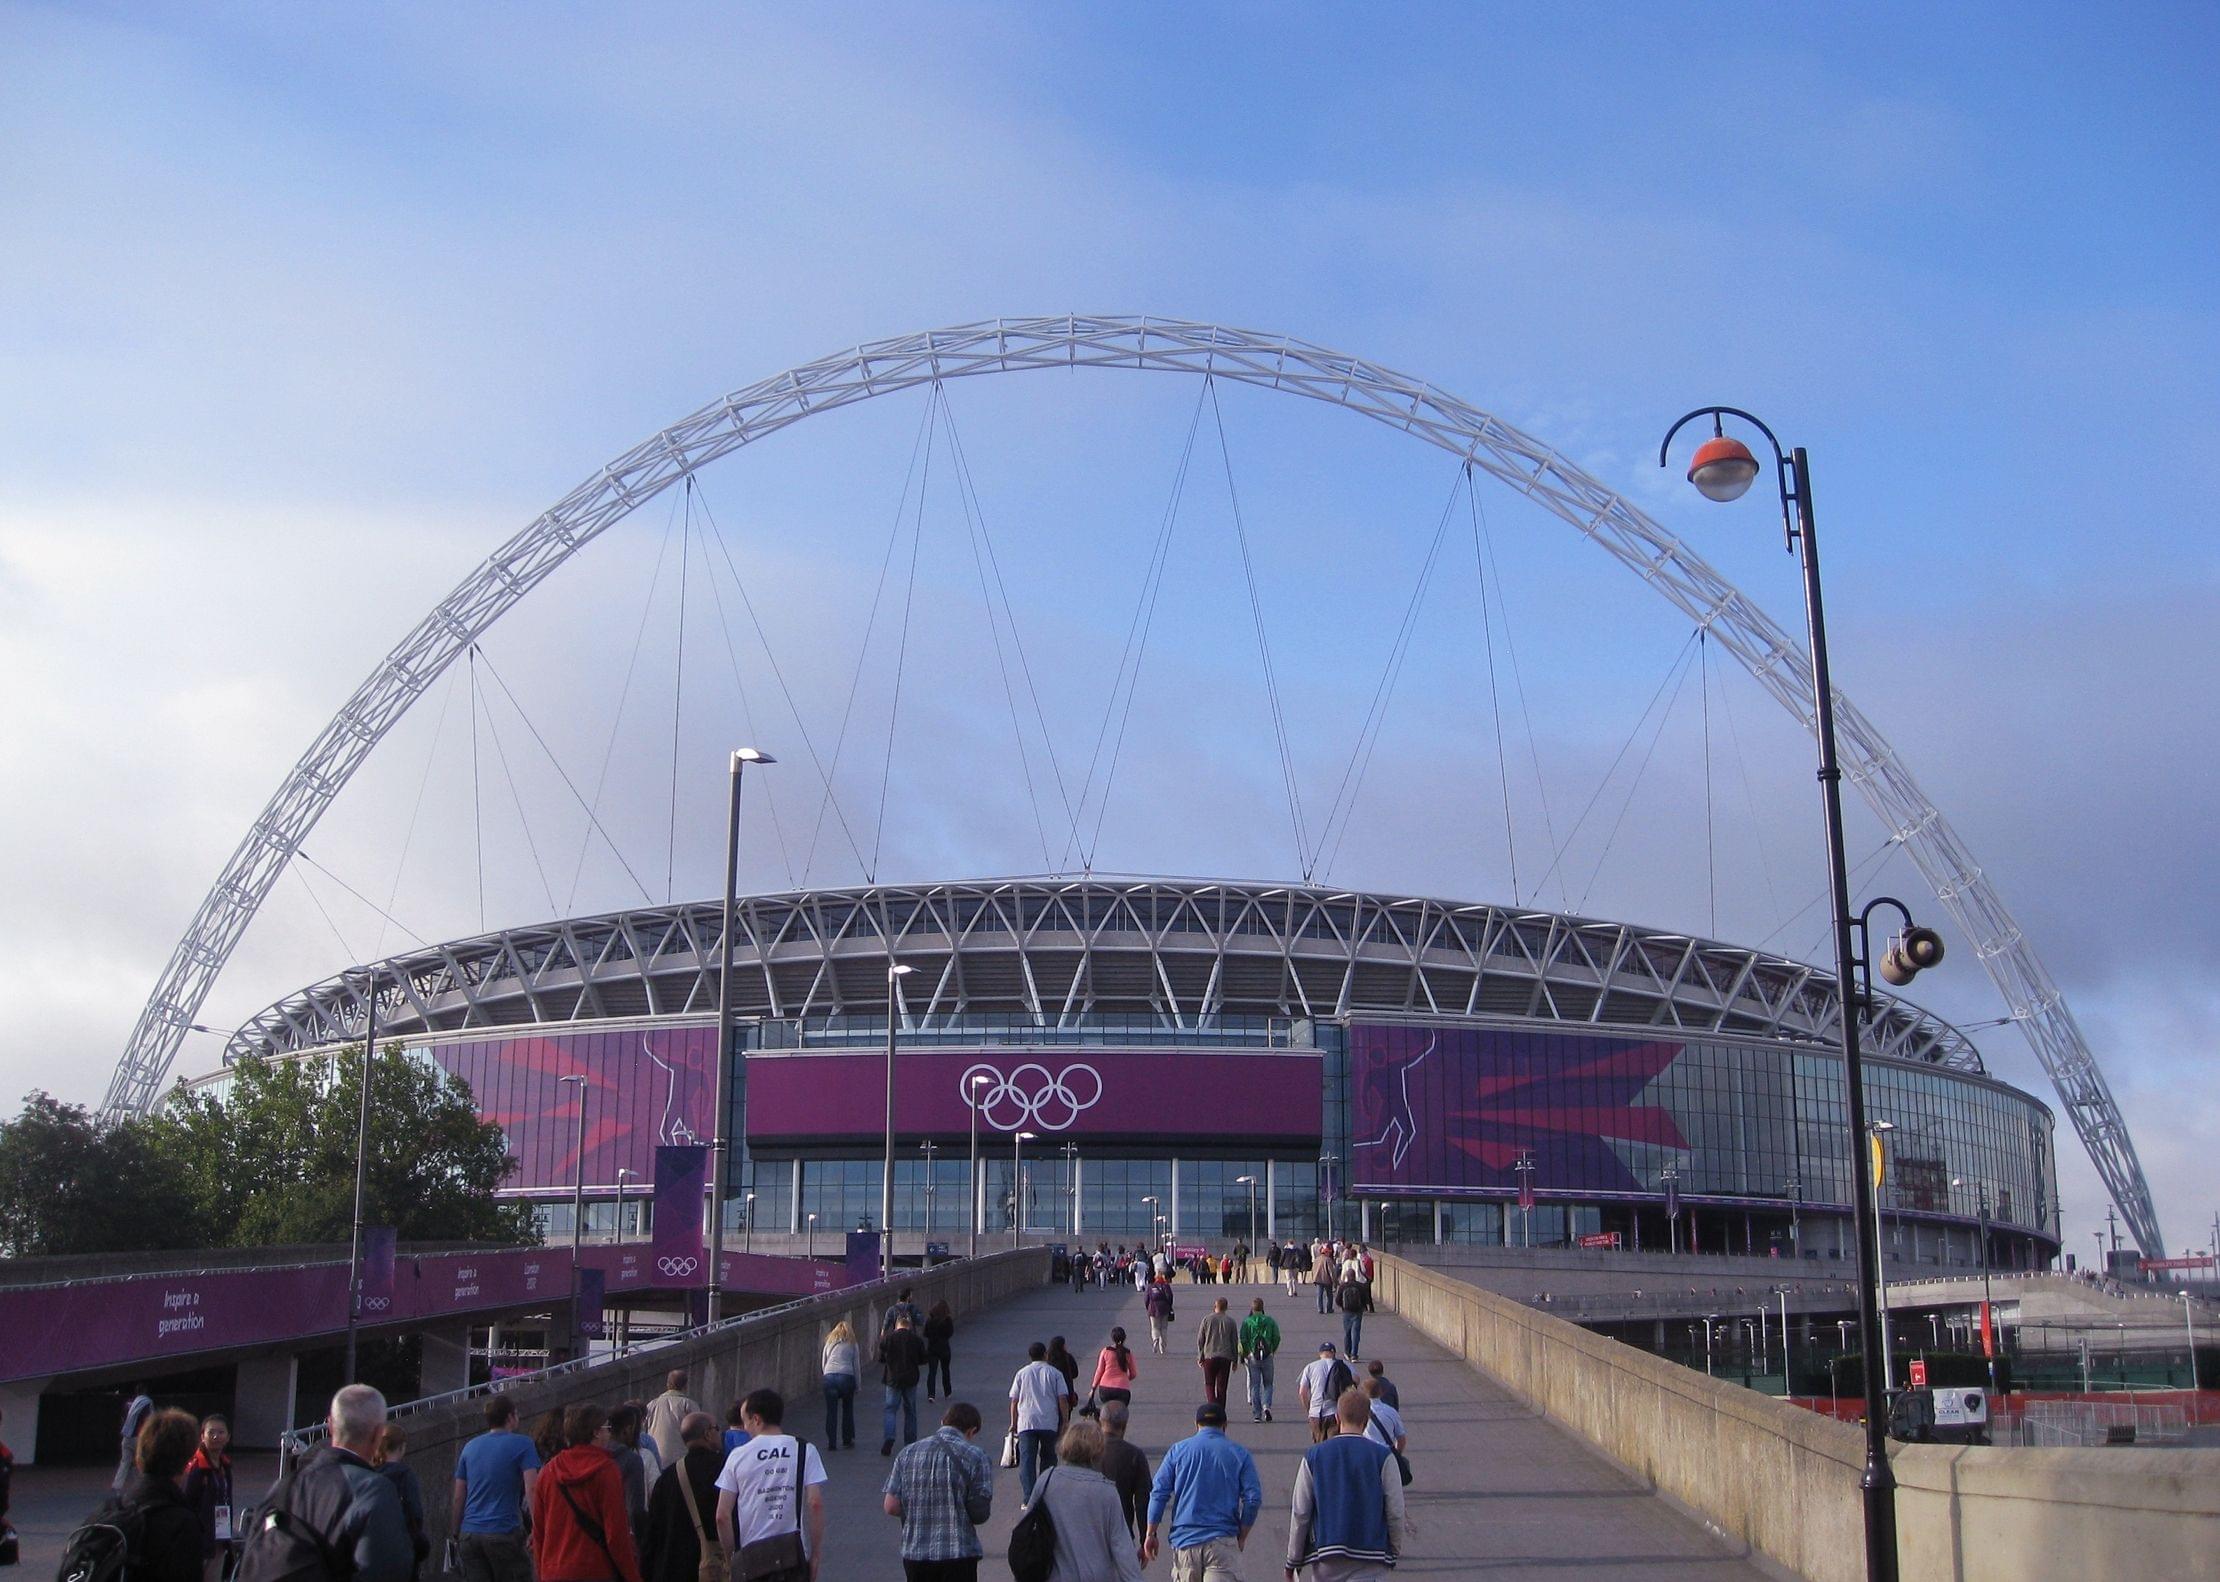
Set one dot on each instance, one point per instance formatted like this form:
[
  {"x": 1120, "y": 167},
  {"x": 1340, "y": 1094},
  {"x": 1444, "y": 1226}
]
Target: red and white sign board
[
  {"x": 1919, "y": 1373},
  {"x": 1609, "y": 1238}
]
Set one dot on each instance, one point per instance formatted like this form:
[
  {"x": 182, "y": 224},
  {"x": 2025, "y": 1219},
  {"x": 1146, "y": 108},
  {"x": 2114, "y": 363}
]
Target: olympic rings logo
[
  {"x": 1032, "y": 1096},
  {"x": 377, "y": 1304},
  {"x": 678, "y": 1268}
]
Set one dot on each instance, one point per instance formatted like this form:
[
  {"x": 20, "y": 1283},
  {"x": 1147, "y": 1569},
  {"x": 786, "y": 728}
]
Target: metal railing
[{"x": 2102, "y": 1422}]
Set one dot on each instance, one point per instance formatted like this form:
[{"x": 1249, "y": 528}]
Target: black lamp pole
[
  {"x": 720, "y": 1141},
  {"x": 1793, "y": 470},
  {"x": 362, "y": 1163}
]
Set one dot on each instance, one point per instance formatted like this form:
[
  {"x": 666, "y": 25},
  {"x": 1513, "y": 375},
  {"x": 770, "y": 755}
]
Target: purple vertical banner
[
  {"x": 378, "y": 1245},
  {"x": 591, "y": 1284},
  {"x": 863, "y": 1256},
  {"x": 681, "y": 1172}
]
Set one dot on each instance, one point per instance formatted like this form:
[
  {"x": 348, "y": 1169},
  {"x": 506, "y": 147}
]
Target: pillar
[
  {"x": 19, "y": 1418},
  {"x": 446, "y": 1363},
  {"x": 262, "y": 1399}
]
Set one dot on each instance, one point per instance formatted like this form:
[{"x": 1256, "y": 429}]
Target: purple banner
[
  {"x": 379, "y": 1244},
  {"x": 769, "y": 1276},
  {"x": 1102, "y": 1094},
  {"x": 642, "y": 1090},
  {"x": 862, "y": 1262},
  {"x": 588, "y": 1308},
  {"x": 681, "y": 1176},
  {"x": 1450, "y": 1109}
]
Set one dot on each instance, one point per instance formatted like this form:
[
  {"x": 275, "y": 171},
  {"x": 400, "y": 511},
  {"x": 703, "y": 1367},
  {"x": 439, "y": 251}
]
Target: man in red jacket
[{"x": 580, "y": 1532}]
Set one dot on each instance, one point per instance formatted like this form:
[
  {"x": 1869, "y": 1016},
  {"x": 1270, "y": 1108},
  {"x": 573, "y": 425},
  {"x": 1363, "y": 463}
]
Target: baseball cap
[
  {"x": 1210, "y": 1413},
  {"x": 1325, "y": 1345}
]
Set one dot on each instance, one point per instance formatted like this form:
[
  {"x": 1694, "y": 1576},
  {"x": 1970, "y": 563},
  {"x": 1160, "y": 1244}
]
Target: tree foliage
[
  {"x": 271, "y": 1155},
  {"x": 265, "y": 1159},
  {"x": 69, "y": 1184}
]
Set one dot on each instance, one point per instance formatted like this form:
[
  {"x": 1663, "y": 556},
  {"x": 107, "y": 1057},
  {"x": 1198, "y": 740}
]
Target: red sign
[
  {"x": 2174, "y": 1263},
  {"x": 1609, "y": 1238},
  {"x": 1919, "y": 1373}
]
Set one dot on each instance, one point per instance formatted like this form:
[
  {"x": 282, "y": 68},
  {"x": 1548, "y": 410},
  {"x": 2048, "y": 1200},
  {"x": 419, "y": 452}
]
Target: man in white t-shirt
[
  {"x": 1039, "y": 1405},
  {"x": 755, "y": 1492},
  {"x": 1386, "y": 1424},
  {"x": 1321, "y": 1385}
]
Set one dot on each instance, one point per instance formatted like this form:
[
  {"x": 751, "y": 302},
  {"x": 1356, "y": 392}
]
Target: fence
[{"x": 2101, "y": 1423}]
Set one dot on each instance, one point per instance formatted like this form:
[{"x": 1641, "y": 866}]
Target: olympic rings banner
[
  {"x": 379, "y": 1244},
  {"x": 681, "y": 1174},
  {"x": 1077, "y": 1091}
]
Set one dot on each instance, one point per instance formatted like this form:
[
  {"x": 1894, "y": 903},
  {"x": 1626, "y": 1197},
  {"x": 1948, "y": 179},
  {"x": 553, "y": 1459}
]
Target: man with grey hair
[{"x": 338, "y": 1497}]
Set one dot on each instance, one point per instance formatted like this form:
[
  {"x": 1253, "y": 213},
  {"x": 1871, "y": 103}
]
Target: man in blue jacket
[
  {"x": 1209, "y": 1488},
  {"x": 1348, "y": 1522}
]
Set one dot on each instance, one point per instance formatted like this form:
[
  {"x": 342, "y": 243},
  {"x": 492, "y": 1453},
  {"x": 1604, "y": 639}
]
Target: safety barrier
[{"x": 1784, "y": 1482}]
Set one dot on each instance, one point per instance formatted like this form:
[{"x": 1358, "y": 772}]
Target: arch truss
[{"x": 2031, "y": 997}]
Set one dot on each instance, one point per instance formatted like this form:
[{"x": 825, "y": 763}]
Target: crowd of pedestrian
[{"x": 661, "y": 1491}]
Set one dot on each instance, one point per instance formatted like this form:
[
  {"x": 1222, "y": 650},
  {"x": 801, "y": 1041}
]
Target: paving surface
[{"x": 1498, "y": 1492}]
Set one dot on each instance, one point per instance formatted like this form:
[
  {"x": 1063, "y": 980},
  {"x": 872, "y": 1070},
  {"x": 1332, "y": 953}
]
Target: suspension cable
[
  {"x": 408, "y": 836},
  {"x": 594, "y": 825},
  {"x": 901, "y": 663},
  {"x": 678, "y": 690},
  {"x": 1680, "y": 655},
  {"x": 1369, "y": 730},
  {"x": 1518, "y": 683},
  {"x": 365, "y": 900},
  {"x": 1656, "y": 735},
  {"x": 747, "y": 707},
  {"x": 523, "y": 819},
  {"x": 1749, "y": 796},
  {"x": 1495, "y": 701},
  {"x": 863, "y": 653},
  {"x": 1143, "y": 621},
  {"x": 477, "y": 804},
  {"x": 309, "y": 890},
  {"x": 624, "y": 693},
  {"x": 1263, "y": 641}
]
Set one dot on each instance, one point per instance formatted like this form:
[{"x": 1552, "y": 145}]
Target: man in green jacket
[{"x": 1260, "y": 1338}]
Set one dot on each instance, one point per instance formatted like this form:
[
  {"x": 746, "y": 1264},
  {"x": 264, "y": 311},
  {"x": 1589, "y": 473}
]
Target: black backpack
[
  {"x": 100, "y": 1550},
  {"x": 1033, "y": 1539},
  {"x": 281, "y": 1547},
  {"x": 1339, "y": 1380}
]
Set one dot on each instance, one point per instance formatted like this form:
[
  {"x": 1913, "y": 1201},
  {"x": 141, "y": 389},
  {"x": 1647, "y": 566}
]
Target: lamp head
[
  {"x": 752, "y": 755},
  {"x": 1722, "y": 468},
  {"x": 1910, "y": 954},
  {"x": 899, "y": 971}
]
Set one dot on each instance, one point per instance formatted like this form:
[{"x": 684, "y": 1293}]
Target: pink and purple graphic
[
  {"x": 1088, "y": 1093},
  {"x": 1448, "y": 1109}
]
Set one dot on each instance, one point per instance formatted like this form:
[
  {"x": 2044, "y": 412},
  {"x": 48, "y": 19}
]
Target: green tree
[
  {"x": 270, "y": 1156},
  {"x": 72, "y": 1184}
]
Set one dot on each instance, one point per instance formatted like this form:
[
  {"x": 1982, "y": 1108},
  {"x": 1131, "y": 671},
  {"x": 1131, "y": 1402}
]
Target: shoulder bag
[
  {"x": 1033, "y": 1539},
  {"x": 778, "y": 1558},
  {"x": 592, "y": 1528},
  {"x": 712, "y": 1565}
]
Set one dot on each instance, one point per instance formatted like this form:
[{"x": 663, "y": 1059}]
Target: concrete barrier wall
[
  {"x": 778, "y": 1352},
  {"x": 1783, "y": 1481}
]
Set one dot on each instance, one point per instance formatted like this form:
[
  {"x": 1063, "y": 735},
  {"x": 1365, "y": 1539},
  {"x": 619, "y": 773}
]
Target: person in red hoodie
[{"x": 580, "y": 1532}]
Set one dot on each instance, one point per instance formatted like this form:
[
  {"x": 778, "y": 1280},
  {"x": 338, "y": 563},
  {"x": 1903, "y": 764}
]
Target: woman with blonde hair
[
  {"x": 1092, "y": 1544},
  {"x": 838, "y": 1363}
]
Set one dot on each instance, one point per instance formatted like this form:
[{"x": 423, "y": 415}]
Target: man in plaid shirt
[{"x": 942, "y": 1488}]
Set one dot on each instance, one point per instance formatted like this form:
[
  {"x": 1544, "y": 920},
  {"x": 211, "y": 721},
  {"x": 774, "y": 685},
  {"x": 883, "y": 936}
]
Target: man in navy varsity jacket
[{"x": 1348, "y": 1523}]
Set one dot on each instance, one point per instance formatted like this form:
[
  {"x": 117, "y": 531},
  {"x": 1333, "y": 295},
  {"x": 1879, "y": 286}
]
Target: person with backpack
[
  {"x": 150, "y": 1533},
  {"x": 392, "y": 1464},
  {"x": 681, "y": 1540},
  {"x": 940, "y": 1489},
  {"x": 1321, "y": 1386},
  {"x": 940, "y": 1334},
  {"x": 901, "y": 1367},
  {"x": 1260, "y": 1342},
  {"x": 208, "y": 1492},
  {"x": 494, "y": 1477},
  {"x": 624, "y": 1449},
  {"x": 1158, "y": 1305},
  {"x": 334, "y": 1519},
  {"x": 1351, "y": 1300},
  {"x": 1084, "y": 1518},
  {"x": 580, "y": 1529}
]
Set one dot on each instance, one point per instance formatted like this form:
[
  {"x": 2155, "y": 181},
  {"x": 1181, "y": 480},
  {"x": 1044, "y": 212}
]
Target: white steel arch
[{"x": 1272, "y": 362}]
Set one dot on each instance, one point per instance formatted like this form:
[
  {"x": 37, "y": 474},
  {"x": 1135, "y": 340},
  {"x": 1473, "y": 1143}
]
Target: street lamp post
[
  {"x": 2189, "y": 1324},
  {"x": 362, "y": 1166},
  {"x": 622, "y": 1177},
  {"x": 747, "y": 1223},
  {"x": 1670, "y": 1175},
  {"x": 1795, "y": 1216},
  {"x": 578, "y": 1193},
  {"x": 1878, "y": 1130},
  {"x": 1250, "y": 1181},
  {"x": 978, "y": 1191},
  {"x": 1988, "y": 1345},
  {"x": 928, "y": 1148},
  {"x": 1326, "y": 1190},
  {"x": 1723, "y": 469},
  {"x": 1071, "y": 1186},
  {"x": 1018, "y": 1140},
  {"x": 720, "y": 1141},
  {"x": 812, "y": 1248},
  {"x": 1525, "y": 1169},
  {"x": 894, "y": 976}
]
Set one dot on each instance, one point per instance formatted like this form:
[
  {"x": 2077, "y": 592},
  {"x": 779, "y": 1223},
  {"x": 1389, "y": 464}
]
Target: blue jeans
[
  {"x": 906, "y": 1398},
  {"x": 840, "y": 1410},
  {"x": 1325, "y": 1299},
  {"x": 1036, "y": 1454},
  {"x": 1352, "y": 1331},
  {"x": 1260, "y": 1383}
]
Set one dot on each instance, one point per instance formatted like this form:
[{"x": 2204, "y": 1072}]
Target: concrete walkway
[{"x": 1498, "y": 1493}]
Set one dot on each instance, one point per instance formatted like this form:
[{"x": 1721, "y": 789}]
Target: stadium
[{"x": 1170, "y": 1057}]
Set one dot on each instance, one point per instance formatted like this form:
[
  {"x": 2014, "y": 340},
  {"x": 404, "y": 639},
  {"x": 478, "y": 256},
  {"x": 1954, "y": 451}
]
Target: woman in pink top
[{"x": 1114, "y": 1371}]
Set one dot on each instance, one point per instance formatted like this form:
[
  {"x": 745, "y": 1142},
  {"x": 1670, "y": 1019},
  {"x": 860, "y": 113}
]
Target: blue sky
[{"x": 309, "y": 309}]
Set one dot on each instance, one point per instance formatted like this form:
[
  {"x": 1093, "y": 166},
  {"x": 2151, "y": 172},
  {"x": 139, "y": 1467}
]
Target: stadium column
[
  {"x": 446, "y": 1364},
  {"x": 262, "y": 1400},
  {"x": 19, "y": 1404}
]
